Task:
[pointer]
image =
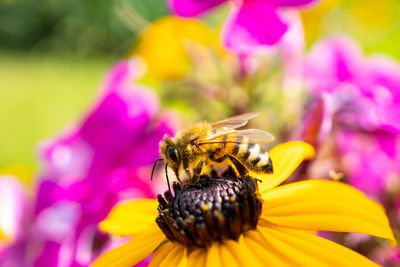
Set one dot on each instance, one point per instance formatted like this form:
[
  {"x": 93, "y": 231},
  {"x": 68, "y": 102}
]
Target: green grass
[{"x": 40, "y": 96}]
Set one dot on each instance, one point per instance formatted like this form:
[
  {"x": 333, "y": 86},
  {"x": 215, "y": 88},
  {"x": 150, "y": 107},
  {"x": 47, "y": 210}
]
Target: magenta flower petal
[
  {"x": 367, "y": 165},
  {"x": 387, "y": 142},
  {"x": 371, "y": 86},
  {"x": 191, "y": 8},
  {"x": 253, "y": 24},
  {"x": 382, "y": 86},
  {"x": 332, "y": 61},
  {"x": 291, "y": 3}
]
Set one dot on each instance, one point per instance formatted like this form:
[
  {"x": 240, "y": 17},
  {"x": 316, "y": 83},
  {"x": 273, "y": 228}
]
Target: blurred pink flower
[
  {"x": 368, "y": 165},
  {"x": 290, "y": 52},
  {"x": 13, "y": 201},
  {"x": 365, "y": 91},
  {"x": 90, "y": 167},
  {"x": 387, "y": 256},
  {"x": 251, "y": 23},
  {"x": 363, "y": 96}
]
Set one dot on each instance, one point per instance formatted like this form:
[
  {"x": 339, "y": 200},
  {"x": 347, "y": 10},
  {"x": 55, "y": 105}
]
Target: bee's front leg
[{"x": 197, "y": 172}]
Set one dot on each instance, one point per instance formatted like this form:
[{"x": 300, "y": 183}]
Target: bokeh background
[
  {"x": 81, "y": 131},
  {"x": 54, "y": 54}
]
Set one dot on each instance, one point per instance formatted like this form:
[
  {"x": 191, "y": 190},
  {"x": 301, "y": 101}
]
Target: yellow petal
[
  {"x": 130, "y": 218},
  {"x": 175, "y": 257},
  {"x": 160, "y": 254},
  {"x": 323, "y": 205},
  {"x": 285, "y": 158},
  {"x": 264, "y": 251},
  {"x": 242, "y": 253},
  {"x": 197, "y": 258},
  {"x": 227, "y": 258},
  {"x": 249, "y": 252},
  {"x": 231, "y": 253},
  {"x": 213, "y": 256},
  {"x": 305, "y": 249},
  {"x": 132, "y": 251}
]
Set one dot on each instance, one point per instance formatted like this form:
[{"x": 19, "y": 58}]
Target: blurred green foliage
[
  {"x": 53, "y": 56},
  {"x": 40, "y": 96},
  {"x": 374, "y": 24},
  {"x": 72, "y": 26}
]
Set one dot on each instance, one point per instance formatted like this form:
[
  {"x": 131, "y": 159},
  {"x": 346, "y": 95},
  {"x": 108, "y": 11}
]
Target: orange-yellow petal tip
[
  {"x": 286, "y": 157},
  {"x": 305, "y": 149}
]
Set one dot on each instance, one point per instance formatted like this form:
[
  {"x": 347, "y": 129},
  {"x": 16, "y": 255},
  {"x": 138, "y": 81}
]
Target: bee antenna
[
  {"x": 166, "y": 174},
  {"x": 154, "y": 166}
]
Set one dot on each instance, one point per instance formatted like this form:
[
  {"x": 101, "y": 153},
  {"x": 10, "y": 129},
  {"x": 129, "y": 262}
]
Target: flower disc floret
[{"x": 215, "y": 208}]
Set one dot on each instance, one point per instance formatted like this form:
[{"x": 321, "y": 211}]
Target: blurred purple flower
[
  {"x": 90, "y": 167},
  {"x": 251, "y": 23},
  {"x": 363, "y": 95}
]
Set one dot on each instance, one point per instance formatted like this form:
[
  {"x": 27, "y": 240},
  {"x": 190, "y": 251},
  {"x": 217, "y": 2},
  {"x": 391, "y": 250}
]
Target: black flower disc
[{"x": 214, "y": 208}]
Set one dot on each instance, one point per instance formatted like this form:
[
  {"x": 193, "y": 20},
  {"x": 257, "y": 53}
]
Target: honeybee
[{"x": 199, "y": 147}]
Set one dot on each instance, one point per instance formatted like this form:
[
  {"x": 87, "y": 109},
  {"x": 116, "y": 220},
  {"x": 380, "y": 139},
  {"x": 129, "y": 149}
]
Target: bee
[{"x": 202, "y": 146}]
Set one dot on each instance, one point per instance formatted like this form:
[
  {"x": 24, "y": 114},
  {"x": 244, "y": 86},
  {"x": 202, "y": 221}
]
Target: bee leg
[
  {"x": 251, "y": 183},
  {"x": 197, "y": 172},
  {"x": 241, "y": 169},
  {"x": 187, "y": 171}
]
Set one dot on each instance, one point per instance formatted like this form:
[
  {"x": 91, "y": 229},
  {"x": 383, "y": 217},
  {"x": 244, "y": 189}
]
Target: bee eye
[{"x": 172, "y": 154}]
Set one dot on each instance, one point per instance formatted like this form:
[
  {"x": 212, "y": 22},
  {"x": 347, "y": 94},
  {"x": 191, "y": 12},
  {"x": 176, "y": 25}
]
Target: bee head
[
  {"x": 173, "y": 155},
  {"x": 170, "y": 153}
]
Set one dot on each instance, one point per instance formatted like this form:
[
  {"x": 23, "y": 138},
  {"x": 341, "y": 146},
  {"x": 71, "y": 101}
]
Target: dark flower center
[{"x": 214, "y": 208}]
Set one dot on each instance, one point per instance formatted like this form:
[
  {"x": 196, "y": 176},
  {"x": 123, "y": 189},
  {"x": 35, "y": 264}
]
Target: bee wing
[
  {"x": 234, "y": 122},
  {"x": 254, "y": 136}
]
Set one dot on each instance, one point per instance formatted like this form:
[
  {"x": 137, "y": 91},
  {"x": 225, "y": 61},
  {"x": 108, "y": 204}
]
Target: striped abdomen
[{"x": 252, "y": 156}]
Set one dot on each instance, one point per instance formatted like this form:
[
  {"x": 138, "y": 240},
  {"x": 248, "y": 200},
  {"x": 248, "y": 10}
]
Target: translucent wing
[
  {"x": 234, "y": 122},
  {"x": 254, "y": 136}
]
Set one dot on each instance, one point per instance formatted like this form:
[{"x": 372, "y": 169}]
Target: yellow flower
[
  {"x": 163, "y": 45},
  {"x": 284, "y": 234},
  {"x": 24, "y": 173},
  {"x": 2, "y": 236}
]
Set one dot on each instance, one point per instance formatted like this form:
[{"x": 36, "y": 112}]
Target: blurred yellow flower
[
  {"x": 352, "y": 17},
  {"x": 313, "y": 18},
  {"x": 284, "y": 234},
  {"x": 163, "y": 45},
  {"x": 375, "y": 14},
  {"x": 3, "y": 237},
  {"x": 24, "y": 173}
]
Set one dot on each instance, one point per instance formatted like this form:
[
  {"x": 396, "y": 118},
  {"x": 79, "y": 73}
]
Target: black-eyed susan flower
[{"x": 226, "y": 221}]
